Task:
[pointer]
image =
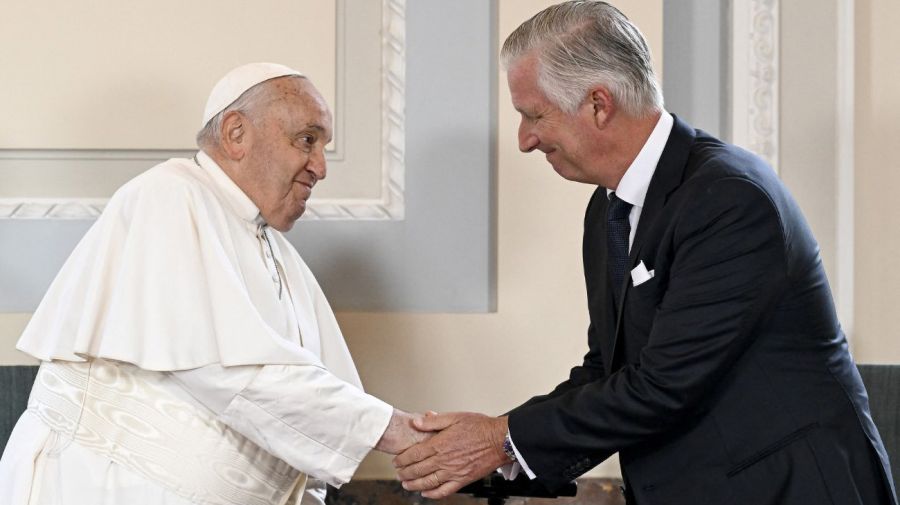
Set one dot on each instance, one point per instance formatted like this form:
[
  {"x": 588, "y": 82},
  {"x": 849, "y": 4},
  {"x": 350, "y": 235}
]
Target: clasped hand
[{"x": 463, "y": 447}]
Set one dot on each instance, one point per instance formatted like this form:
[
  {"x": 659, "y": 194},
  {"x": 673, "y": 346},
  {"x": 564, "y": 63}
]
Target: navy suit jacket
[{"x": 724, "y": 379}]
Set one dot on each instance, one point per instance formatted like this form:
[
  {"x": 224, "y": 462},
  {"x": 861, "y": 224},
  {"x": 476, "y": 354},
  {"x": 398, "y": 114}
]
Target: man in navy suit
[{"x": 716, "y": 367}]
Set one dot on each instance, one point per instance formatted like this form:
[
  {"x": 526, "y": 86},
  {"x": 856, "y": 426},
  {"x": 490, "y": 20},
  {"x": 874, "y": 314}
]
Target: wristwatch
[{"x": 508, "y": 448}]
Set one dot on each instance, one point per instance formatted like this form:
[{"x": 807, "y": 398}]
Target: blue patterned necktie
[{"x": 617, "y": 230}]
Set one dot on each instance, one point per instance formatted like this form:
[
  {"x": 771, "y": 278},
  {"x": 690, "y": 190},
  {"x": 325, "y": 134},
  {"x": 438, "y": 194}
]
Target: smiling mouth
[{"x": 308, "y": 184}]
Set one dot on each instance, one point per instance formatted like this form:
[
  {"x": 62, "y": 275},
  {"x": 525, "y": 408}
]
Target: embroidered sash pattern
[{"x": 124, "y": 413}]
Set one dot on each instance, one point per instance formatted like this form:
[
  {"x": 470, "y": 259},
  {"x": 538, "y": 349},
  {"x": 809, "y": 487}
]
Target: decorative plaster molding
[
  {"x": 754, "y": 77},
  {"x": 389, "y": 207},
  {"x": 393, "y": 131},
  {"x": 51, "y": 208},
  {"x": 393, "y": 126}
]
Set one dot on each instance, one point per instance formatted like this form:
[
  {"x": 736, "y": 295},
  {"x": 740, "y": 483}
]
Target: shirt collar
[
  {"x": 634, "y": 184},
  {"x": 234, "y": 197}
]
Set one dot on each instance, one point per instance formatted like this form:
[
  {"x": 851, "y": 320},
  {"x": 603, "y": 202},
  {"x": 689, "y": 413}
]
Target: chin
[
  {"x": 292, "y": 220},
  {"x": 282, "y": 227},
  {"x": 570, "y": 174},
  {"x": 284, "y": 221},
  {"x": 565, "y": 174}
]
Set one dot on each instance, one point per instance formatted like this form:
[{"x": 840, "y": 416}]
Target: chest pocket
[{"x": 641, "y": 304}]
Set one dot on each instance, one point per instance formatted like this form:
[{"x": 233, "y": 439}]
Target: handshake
[{"x": 438, "y": 454}]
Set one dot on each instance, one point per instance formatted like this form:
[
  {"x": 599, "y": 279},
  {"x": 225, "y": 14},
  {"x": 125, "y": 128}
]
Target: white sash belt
[{"x": 124, "y": 413}]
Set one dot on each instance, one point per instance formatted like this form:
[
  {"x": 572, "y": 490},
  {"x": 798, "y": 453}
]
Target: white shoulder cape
[{"x": 156, "y": 282}]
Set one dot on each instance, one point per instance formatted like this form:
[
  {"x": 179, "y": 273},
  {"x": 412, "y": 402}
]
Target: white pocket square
[{"x": 640, "y": 274}]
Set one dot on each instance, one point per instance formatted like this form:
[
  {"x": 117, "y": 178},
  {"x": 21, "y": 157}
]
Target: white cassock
[{"x": 189, "y": 356}]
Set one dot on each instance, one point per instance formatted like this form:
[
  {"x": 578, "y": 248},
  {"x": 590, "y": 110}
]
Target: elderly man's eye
[{"x": 306, "y": 141}]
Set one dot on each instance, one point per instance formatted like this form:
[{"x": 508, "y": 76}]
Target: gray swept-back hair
[
  {"x": 585, "y": 43},
  {"x": 248, "y": 104}
]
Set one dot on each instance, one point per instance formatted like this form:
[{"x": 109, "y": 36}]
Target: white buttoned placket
[
  {"x": 276, "y": 272},
  {"x": 265, "y": 243}
]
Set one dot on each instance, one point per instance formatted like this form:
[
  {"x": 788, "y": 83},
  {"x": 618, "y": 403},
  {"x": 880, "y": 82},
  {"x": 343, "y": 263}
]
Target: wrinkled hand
[
  {"x": 467, "y": 447},
  {"x": 401, "y": 434}
]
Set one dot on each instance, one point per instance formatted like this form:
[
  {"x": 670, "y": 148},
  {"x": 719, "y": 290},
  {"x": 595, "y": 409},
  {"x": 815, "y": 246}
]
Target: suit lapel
[{"x": 667, "y": 177}]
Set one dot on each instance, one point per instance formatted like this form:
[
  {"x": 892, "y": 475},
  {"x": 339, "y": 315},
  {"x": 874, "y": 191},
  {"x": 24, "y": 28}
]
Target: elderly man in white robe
[{"x": 188, "y": 354}]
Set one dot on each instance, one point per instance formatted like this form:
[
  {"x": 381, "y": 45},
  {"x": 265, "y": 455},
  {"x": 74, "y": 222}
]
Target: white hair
[
  {"x": 249, "y": 104},
  {"x": 584, "y": 43}
]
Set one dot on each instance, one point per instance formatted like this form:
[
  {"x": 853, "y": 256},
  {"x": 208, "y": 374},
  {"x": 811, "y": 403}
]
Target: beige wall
[
  {"x": 11, "y": 325},
  {"x": 877, "y": 174},
  {"x": 168, "y": 93},
  {"x": 808, "y": 121},
  {"x": 146, "y": 84}
]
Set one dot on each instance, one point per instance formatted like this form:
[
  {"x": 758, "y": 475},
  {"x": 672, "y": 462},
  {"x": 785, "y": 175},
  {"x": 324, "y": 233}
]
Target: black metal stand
[{"x": 497, "y": 489}]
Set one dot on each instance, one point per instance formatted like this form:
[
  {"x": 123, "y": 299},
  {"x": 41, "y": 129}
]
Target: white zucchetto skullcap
[{"x": 239, "y": 80}]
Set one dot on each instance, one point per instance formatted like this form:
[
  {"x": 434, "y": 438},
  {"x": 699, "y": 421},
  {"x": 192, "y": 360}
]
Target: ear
[
  {"x": 604, "y": 108},
  {"x": 235, "y": 136}
]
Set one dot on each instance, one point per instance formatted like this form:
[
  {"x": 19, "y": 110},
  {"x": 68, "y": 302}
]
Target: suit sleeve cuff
[{"x": 520, "y": 460}]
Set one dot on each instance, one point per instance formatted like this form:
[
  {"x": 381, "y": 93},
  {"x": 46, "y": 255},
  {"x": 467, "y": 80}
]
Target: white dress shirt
[{"x": 636, "y": 181}]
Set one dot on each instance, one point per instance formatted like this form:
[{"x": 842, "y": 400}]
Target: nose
[
  {"x": 528, "y": 141},
  {"x": 317, "y": 164}
]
